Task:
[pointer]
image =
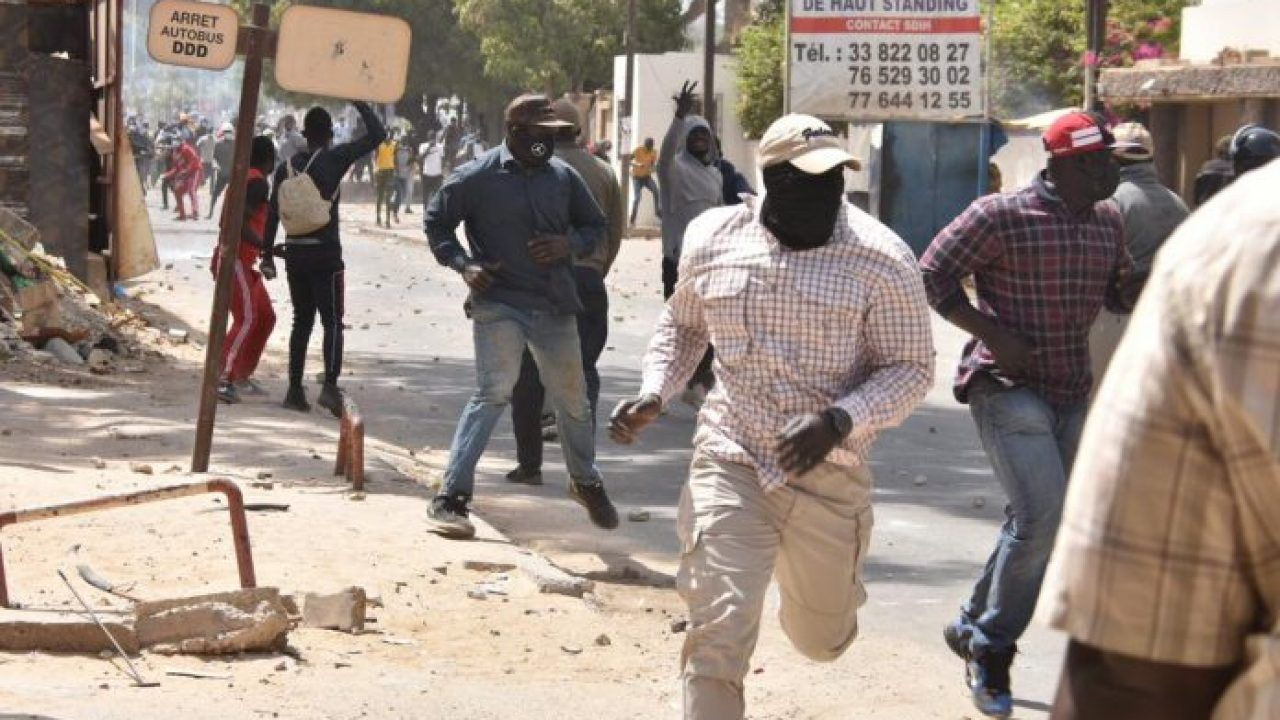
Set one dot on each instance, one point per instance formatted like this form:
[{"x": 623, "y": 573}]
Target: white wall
[
  {"x": 1021, "y": 159},
  {"x": 657, "y": 79},
  {"x": 1241, "y": 24}
]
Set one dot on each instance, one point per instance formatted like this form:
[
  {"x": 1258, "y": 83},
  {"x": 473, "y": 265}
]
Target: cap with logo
[
  {"x": 1133, "y": 142},
  {"x": 533, "y": 110},
  {"x": 1077, "y": 133},
  {"x": 807, "y": 143}
]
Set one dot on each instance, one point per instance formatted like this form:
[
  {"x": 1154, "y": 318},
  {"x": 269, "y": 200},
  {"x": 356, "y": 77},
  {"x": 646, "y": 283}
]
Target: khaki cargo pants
[{"x": 814, "y": 532}]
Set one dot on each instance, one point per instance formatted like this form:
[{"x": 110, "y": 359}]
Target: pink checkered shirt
[{"x": 795, "y": 332}]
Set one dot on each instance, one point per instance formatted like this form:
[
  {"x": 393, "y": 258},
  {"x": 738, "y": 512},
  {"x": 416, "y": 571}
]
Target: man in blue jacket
[{"x": 527, "y": 216}]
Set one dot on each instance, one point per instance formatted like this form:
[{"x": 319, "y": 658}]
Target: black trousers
[
  {"x": 703, "y": 375},
  {"x": 316, "y": 285},
  {"x": 528, "y": 396},
  {"x": 430, "y": 185},
  {"x": 221, "y": 179}
]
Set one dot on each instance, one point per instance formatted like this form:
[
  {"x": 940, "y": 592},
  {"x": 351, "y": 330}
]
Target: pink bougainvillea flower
[
  {"x": 1148, "y": 51},
  {"x": 1089, "y": 59}
]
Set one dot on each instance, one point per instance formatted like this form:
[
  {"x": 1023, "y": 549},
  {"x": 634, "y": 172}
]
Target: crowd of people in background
[{"x": 193, "y": 153}]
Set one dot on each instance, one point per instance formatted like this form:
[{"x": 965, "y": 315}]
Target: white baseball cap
[
  {"x": 806, "y": 142},
  {"x": 1133, "y": 142}
]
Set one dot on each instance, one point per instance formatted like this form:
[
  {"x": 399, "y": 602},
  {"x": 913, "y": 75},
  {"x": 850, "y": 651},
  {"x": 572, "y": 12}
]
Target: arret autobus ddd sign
[{"x": 193, "y": 34}]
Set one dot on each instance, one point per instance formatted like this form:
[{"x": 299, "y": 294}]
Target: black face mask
[
  {"x": 533, "y": 148},
  {"x": 800, "y": 209}
]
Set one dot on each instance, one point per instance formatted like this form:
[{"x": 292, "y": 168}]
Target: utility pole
[
  {"x": 709, "y": 67},
  {"x": 626, "y": 108},
  {"x": 1096, "y": 27},
  {"x": 258, "y": 42}
]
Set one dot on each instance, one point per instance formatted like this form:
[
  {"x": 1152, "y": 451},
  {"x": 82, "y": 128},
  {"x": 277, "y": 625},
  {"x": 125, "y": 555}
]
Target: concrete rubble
[
  {"x": 343, "y": 611},
  {"x": 252, "y": 620},
  {"x": 551, "y": 579},
  {"x": 217, "y": 624},
  {"x": 24, "y": 631}
]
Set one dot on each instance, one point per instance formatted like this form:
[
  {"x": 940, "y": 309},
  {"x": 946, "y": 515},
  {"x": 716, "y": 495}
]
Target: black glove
[
  {"x": 267, "y": 266},
  {"x": 807, "y": 440}
]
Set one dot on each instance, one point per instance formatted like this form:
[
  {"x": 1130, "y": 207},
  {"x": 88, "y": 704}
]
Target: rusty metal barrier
[
  {"x": 235, "y": 503},
  {"x": 351, "y": 445}
]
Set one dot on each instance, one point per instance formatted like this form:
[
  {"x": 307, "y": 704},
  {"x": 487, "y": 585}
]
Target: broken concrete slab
[
  {"x": 488, "y": 566},
  {"x": 343, "y": 611},
  {"x": 39, "y": 631},
  {"x": 552, "y": 580},
  {"x": 251, "y": 620}
]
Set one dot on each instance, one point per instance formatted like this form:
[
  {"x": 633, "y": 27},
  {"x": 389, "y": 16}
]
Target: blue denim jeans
[
  {"x": 1031, "y": 444},
  {"x": 502, "y": 333}
]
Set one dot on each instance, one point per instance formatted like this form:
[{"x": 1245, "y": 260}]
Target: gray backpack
[{"x": 302, "y": 208}]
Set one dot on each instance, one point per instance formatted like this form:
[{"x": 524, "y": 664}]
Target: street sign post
[
  {"x": 354, "y": 56},
  {"x": 343, "y": 54},
  {"x": 193, "y": 34},
  {"x": 875, "y": 60},
  {"x": 257, "y": 43}
]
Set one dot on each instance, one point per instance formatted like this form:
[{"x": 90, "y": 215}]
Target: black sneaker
[
  {"x": 447, "y": 517},
  {"x": 957, "y": 635},
  {"x": 227, "y": 393},
  {"x": 524, "y": 477},
  {"x": 331, "y": 399},
  {"x": 596, "y": 501},
  {"x": 296, "y": 399},
  {"x": 988, "y": 677}
]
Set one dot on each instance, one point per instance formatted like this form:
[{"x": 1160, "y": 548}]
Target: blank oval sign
[{"x": 343, "y": 54}]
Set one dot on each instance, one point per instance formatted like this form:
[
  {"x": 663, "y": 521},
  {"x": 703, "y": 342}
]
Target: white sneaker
[{"x": 251, "y": 388}]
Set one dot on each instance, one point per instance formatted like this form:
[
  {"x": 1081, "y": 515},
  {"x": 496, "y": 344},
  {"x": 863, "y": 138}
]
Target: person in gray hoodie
[
  {"x": 1151, "y": 213},
  {"x": 690, "y": 182}
]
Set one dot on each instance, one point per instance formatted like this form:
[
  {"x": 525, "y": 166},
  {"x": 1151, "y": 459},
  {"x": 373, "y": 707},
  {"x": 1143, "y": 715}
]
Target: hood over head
[{"x": 691, "y": 123}]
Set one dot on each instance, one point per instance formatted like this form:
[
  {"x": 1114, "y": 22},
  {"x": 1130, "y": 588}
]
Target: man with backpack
[{"x": 304, "y": 199}]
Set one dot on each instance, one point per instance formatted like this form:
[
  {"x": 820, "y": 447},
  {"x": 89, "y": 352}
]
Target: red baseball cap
[{"x": 1077, "y": 133}]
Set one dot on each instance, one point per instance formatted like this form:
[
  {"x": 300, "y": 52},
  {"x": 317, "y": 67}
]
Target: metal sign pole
[
  {"x": 709, "y": 67},
  {"x": 627, "y": 144},
  {"x": 256, "y": 43},
  {"x": 786, "y": 60}
]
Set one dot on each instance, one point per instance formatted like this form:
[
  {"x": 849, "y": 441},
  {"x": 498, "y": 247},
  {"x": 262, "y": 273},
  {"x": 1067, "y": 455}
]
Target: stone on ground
[{"x": 343, "y": 611}]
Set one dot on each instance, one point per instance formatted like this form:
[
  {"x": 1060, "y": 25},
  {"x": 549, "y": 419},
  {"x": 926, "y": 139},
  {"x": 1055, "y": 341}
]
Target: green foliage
[
  {"x": 560, "y": 45},
  {"x": 1040, "y": 48},
  {"x": 761, "y": 49}
]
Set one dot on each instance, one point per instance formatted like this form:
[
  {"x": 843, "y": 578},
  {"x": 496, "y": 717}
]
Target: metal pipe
[
  {"x": 137, "y": 676},
  {"x": 625, "y": 110},
  {"x": 350, "y": 461},
  {"x": 235, "y": 504},
  {"x": 709, "y": 68},
  {"x": 355, "y": 462}
]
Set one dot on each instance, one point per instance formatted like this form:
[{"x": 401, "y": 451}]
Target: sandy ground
[{"x": 433, "y": 652}]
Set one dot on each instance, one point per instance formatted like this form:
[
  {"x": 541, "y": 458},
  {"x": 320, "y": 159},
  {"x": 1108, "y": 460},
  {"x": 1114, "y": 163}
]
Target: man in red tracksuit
[
  {"x": 185, "y": 174},
  {"x": 251, "y": 312}
]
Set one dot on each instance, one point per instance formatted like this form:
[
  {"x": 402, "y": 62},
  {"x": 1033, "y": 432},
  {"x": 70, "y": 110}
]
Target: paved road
[{"x": 937, "y": 505}]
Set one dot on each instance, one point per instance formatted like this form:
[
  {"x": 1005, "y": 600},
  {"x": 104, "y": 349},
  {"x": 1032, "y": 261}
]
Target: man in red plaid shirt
[{"x": 1045, "y": 260}]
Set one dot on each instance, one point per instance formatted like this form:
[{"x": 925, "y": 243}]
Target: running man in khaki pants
[{"x": 821, "y": 329}]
